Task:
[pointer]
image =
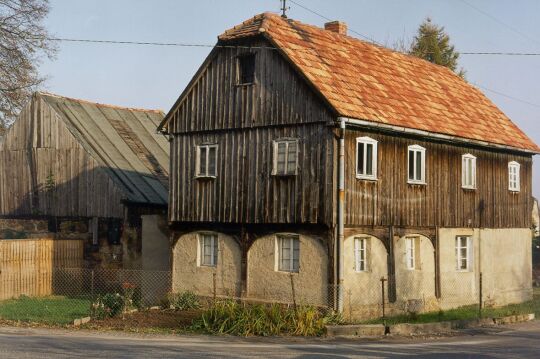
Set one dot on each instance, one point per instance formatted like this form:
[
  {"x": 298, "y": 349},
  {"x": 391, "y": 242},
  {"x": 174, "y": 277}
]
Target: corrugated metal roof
[{"x": 124, "y": 141}]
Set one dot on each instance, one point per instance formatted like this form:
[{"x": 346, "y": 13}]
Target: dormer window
[
  {"x": 246, "y": 69},
  {"x": 513, "y": 176},
  {"x": 468, "y": 171},
  {"x": 416, "y": 164},
  {"x": 366, "y": 158}
]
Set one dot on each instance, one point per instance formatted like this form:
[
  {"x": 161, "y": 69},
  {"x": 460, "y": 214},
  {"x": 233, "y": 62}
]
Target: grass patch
[
  {"x": 466, "y": 312},
  {"x": 47, "y": 310}
]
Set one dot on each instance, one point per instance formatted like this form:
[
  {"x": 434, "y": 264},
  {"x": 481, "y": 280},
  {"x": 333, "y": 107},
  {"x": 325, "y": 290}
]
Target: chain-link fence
[
  {"x": 69, "y": 293},
  {"x": 66, "y": 294}
]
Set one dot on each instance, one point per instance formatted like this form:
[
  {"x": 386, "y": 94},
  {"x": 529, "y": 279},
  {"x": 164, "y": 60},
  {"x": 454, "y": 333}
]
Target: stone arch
[
  {"x": 415, "y": 286},
  {"x": 266, "y": 282},
  {"x": 362, "y": 288},
  {"x": 189, "y": 274}
]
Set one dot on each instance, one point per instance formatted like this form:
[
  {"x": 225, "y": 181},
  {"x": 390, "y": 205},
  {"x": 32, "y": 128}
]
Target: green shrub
[
  {"x": 184, "y": 301},
  {"x": 107, "y": 306},
  {"x": 230, "y": 317}
]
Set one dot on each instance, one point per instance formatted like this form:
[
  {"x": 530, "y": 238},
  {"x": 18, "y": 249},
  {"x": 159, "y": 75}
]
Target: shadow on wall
[{"x": 68, "y": 204}]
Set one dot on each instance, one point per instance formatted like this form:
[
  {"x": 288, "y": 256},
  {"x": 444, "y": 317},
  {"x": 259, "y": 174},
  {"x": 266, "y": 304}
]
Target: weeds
[
  {"x": 231, "y": 317},
  {"x": 183, "y": 301}
]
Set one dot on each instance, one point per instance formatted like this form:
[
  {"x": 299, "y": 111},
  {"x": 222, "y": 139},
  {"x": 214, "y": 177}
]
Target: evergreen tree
[{"x": 432, "y": 43}]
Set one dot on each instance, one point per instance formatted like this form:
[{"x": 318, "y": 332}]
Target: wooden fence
[{"x": 27, "y": 265}]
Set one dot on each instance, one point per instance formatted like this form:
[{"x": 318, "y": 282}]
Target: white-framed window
[
  {"x": 411, "y": 252},
  {"x": 464, "y": 253},
  {"x": 360, "y": 254},
  {"x": 416, "y": 156},
  {"x": 513, "y": 176},
  {"x": 468, "y": 171},
  {"x": 366, "y": 158},
  {"x": 208, "y": 246},
  {"x": 205, "y": 165},
  {"x": 288, "y": 253},
  {"x": 285, "y": 157}
]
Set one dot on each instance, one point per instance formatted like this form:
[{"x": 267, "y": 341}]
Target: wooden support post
[{"x": 391, "y": 267}]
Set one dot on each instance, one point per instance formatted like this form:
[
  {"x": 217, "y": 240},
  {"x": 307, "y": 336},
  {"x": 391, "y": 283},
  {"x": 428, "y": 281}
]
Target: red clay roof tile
[{"x": 372, "y": 83}]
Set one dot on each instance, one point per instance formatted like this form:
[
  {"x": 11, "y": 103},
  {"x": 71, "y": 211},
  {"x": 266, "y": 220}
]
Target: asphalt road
[{"x": 517, "y": 341}]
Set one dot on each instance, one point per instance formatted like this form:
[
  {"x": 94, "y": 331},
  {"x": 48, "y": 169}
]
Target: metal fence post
[
  {"x": 480, "y": 297},
  {"x": 382, "y": 299},
  {"x": 92, "y": 285}
]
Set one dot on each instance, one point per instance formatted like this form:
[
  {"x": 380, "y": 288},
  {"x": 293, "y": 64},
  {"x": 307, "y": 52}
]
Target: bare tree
[{"x": 23, "y": 42}]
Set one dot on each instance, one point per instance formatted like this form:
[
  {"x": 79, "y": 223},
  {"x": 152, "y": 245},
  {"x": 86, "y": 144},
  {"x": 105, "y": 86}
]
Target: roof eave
[{"x": 435, "y": 135}]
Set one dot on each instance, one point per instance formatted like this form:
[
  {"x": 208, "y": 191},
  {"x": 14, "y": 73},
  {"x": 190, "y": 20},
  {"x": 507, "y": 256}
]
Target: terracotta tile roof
[{"x": 364, "y": 81}]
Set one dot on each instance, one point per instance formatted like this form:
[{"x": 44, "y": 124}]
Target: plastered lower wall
[
  {"x": 188, "y": 275},
  {"x": 502, "y": 255},
  {"x": 362, "y": 291},
  {"x": 266, "y": 282}
]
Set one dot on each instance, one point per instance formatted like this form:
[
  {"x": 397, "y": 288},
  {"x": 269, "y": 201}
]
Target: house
[
  {"x": 306, "y": 165},
  {"x": 86, "y": 168}
]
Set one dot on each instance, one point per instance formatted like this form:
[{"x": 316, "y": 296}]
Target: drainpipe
[{"x": 341, "y": 212}]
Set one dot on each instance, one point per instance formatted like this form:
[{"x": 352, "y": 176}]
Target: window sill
[
  {"x": 247, "y": 84},
  {"x": 468, "y": 188},
  {"x": 514, "y": 191},
  {"x": 365, "y": 178},
  {"x": 205, "y": 177},
  {"x": 287, "y": 272},
  {"x": 418, "y": 183}
]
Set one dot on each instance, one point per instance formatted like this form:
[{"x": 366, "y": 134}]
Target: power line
[
  {"x": 513, "y": 29},
  {"x": 183, "y": 44},
  {"x": 328, "y": 19},
  {"x": 507, "y": 96}
]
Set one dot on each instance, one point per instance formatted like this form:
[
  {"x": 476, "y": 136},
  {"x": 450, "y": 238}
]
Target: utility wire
[
  {"x": 328, "y": 19},
  {"x": 513, "y": 29},
  {"x": 507, "y": 96}
]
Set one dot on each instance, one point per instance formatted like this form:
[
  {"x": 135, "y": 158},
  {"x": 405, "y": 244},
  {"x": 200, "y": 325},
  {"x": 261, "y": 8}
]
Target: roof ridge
[
  {"x": 354, "y": 39},
  {"x": 44, "y": 93}
]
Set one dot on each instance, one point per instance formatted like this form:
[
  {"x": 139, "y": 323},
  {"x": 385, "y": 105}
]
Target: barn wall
[{"x": 46, "y": 172}]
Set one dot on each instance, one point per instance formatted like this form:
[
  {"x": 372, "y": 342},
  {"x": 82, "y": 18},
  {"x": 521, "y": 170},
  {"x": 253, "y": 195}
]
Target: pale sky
[{"x": 153, "y": 77}]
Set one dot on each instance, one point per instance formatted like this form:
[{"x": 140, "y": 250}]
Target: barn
[{"x": 86, "y": 168}]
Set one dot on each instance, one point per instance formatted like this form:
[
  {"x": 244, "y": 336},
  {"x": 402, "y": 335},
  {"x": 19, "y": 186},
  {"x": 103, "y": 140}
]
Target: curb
[
  {"x": 80, "y": 321},
  {"x": 407, "y": 329}
]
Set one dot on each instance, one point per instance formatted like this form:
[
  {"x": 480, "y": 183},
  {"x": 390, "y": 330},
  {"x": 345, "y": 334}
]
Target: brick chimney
[{"x": 336, "y": 26}]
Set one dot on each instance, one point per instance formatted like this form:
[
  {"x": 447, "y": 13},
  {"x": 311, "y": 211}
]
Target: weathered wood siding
[
  {"x": 27, "y": 265},
  {"x": 244, "y": 120},
  {"x": 45, "y": 171},
  {"x": 442, "y": 202}
]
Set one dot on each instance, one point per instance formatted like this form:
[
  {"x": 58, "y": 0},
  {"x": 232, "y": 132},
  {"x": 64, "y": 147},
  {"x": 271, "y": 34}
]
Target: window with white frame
[
  {"x": 360, "y": 254},
  {"x": 468, "y": 171},
  {"x": 289, "y": 253},
  {"x": 416, "y": 164},
  {"x": 285, "y": 157},
  {"x": 463, "y": 253},
  {"x": 208, "y": 244},
  {"x": 206, "y": 161},
  {"x": 513, "y": 176},
  {"x": 366, "y": 158},
  {"x": 411, "y": 252}
]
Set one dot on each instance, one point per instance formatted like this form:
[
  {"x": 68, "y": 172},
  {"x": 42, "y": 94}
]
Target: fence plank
[{"x": 27, "y": 265}]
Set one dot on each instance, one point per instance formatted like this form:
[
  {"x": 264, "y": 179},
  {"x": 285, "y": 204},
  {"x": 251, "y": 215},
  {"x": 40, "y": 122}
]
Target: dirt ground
[{"x": 158, "y": 319}]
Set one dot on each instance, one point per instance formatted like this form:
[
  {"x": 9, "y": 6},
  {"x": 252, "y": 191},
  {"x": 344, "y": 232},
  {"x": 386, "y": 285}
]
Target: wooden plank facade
[
  {"x": 243, "y": 120},
  {"x": 442, "y": 202},
  {"x": 46, "y": 171}
]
